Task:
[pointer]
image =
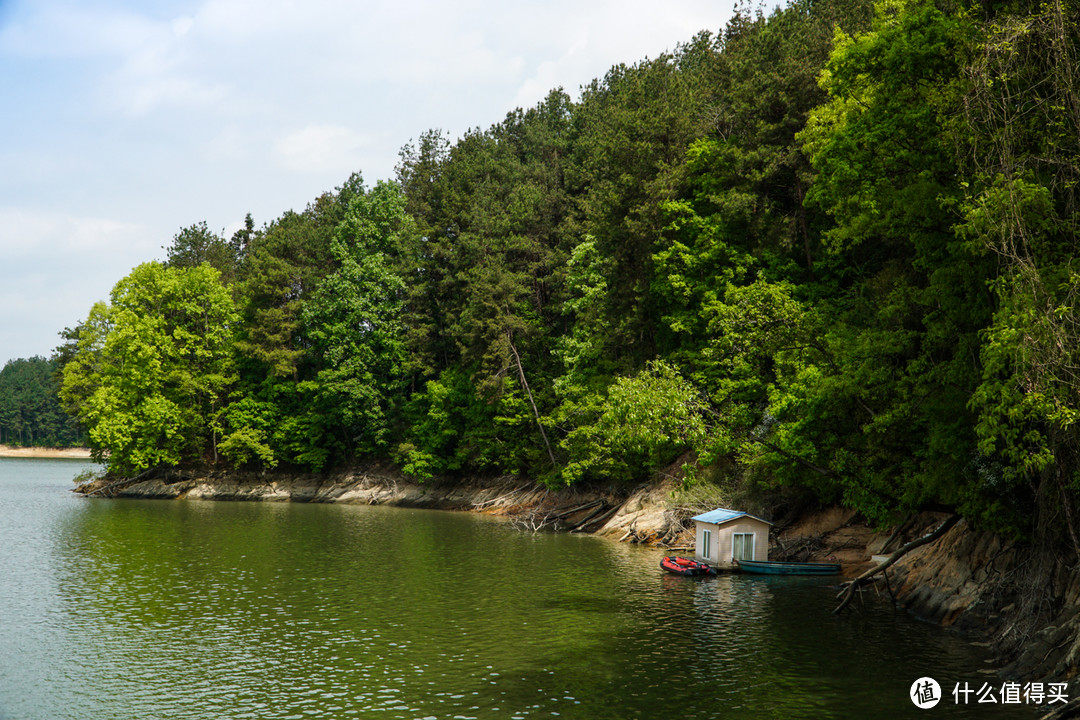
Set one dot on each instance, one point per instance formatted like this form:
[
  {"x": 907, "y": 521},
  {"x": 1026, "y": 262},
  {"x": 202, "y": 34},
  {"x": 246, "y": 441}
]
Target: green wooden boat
[{"x": 760, "y": 567}]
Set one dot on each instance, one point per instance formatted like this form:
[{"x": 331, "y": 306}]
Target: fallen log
[
  {"x": 567, "y": 513},
  {"x": 601, "y": 515},
  {"x": 898, "y": 532},
  {"x": 848, "y": 593},
  {"x": 581, "y": 523}
]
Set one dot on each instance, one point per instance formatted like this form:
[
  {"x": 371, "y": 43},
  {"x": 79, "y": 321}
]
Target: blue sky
[{"x": 124, "y": 121}]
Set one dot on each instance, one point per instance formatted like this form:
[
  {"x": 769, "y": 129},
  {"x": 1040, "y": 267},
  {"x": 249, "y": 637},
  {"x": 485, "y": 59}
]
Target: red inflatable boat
[{"x": 682, "y": 566}]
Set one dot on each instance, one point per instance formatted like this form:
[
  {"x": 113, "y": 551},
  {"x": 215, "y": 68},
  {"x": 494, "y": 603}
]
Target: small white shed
[{"x": 723, "y": 536}]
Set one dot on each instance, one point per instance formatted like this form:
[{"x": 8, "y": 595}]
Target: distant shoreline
[{"x": 44, "y": 452}]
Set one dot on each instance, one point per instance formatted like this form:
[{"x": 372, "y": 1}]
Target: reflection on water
[{"x": 124, "y": 609}]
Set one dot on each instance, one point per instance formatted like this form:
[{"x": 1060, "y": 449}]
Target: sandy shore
[{"x": 38, "y": 452}]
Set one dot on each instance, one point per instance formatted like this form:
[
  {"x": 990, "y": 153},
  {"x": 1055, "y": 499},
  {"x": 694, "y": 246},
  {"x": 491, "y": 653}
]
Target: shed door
[{"x": 742, "y": 546}]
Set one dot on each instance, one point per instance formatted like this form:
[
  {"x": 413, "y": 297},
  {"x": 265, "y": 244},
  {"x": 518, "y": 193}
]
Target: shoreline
[
  {"x": 637, "y": 515},
  {"x": 8, "y": 451},
  {"x": 644, "y": 515},
  {"x": 955, "y": 582}
]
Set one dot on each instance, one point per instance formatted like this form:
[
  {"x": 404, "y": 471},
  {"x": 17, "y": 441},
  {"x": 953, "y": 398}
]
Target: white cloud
[
  {"x": 63, "y": 31},
  {"x": 321, "y": 149},
  {"x": 241, "y": 20},
  {"x": 138, "y": 90},
  {"x": 130, "y": 119},
  {"x": 28, "y": 233},
  {"x": 160, "y": 72},
  {"x": 139, "y": 63},
  {"x": 182, "y": 25},
  {"x": 55, "y": 266},
  {"x": 551, "y": 74},
  {"x": 35, "y": 308},
  {"x": 605, "y": 34}
]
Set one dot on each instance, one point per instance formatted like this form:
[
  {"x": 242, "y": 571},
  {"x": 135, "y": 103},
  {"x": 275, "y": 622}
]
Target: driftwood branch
[
  {"x": 599, "y": 514},
  {"x": 846, "y": 596},
  {"x": 122, "y": 483},
  {"x": 896, "y": 533}
]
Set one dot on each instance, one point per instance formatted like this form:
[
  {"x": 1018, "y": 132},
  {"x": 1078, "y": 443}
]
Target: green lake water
[{"x": 185, "y": 609}]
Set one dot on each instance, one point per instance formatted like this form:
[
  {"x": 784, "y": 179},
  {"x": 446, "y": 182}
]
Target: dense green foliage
[
  {"x": 152, "y": 369},
  {"x": 832, "y": 248},
  {"x": 30, "y": 412}
]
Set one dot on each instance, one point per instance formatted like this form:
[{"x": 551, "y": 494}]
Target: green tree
[
  {"x": 453, "y": 427},
  {"x": 196, "y": 244},
  {"x": 353, "y": 322},
  {"x": 483, "y": 275},
  {"x": 1020, "y": 141},
  {"x": 284, "y": 263},
  {"x": 631, "y": 133},
  {"x": 887, "y": 417},
  {"x": 644, "y": 423},
  {"x": 150, "y": 377},
  {"x": 270, "y": 419}
]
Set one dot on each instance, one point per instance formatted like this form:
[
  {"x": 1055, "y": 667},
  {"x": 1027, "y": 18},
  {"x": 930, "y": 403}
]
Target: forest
[
  {"x": 831, "y": 248},
  {"x": 30, "y": 411}
]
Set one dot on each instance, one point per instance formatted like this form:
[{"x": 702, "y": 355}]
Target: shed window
[
  {"x": 706, "y": 543},
  {"x": 742, "y": 546}
]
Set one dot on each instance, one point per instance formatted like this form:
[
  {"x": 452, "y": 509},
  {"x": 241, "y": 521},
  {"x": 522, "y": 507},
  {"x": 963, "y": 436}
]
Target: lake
[{"x": 187, "y": 609}]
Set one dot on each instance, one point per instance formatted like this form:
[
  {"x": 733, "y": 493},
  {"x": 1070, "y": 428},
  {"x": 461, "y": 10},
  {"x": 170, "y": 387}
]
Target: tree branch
[{"x": 849, "y": 592}]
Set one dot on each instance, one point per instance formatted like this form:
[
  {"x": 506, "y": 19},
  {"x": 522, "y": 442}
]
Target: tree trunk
[
  {"x": 801, "y": 212},
  {"x": 536, "y": 413}
]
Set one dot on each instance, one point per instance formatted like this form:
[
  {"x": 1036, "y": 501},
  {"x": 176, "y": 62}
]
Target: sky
[{"x": 124, "y": 121}]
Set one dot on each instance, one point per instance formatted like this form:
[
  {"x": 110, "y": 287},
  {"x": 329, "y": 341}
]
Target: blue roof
[{"x": 720, "y": 516}]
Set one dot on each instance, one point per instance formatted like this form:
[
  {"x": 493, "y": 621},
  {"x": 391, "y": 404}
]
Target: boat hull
[{"x": 758, "y": 567}]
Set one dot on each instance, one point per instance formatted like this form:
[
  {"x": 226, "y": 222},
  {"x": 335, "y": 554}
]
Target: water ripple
[{"x": 227, "y": 611}]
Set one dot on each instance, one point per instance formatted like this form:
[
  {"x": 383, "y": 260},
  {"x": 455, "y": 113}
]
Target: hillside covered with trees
[
  {"x": 831, "y": 248},
  {"x": 30, "y": 412}
]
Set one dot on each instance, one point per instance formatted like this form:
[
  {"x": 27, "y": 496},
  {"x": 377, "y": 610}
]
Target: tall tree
[
  {"x": 484, "y": 274},
  {"x": 284, "y": 263},
  {"x": 197, "y": 244},
  {"x": 894, "y": 430},
  {"x": 354, "y": 324},
  {"x": 1020, "y": 141},
  {"x": 631, "y": 132},
  {"x": 152, "y": 370}
]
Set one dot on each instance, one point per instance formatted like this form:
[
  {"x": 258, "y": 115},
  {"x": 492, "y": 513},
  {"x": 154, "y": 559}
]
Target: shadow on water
[{"x": 233, "y": 610}]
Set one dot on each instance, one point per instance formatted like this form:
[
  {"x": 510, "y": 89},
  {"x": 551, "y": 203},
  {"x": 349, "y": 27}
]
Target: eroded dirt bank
[
  {"x": 1024, "y": 600},
  {"x": 641, "y": 515},
  {"x": 1021, "y": 601}
]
